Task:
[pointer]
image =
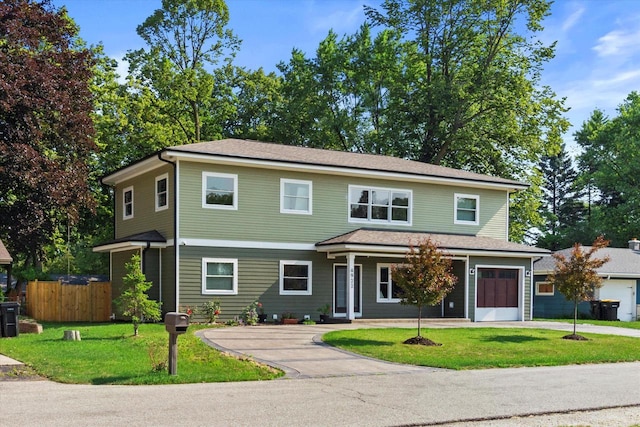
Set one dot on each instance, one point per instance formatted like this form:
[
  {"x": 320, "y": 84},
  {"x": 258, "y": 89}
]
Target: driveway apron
[{"x": 299, "y": 351}]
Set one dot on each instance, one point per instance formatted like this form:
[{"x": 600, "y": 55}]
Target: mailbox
[{"x": 176, "y": 323}]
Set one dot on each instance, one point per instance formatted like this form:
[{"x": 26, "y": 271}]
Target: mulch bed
[
  {"x": 575, "y": 337},
  {"x": 421, "y": 341}
]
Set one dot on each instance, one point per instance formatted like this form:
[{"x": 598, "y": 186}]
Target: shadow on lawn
[
  {"x": 511, "y": 338},
  {"x": 353, "y": 342}
]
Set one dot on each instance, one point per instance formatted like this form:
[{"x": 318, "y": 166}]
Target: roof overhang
[
  {"x": 147, "y": 240},
  {"x": 5, "y": 257}
]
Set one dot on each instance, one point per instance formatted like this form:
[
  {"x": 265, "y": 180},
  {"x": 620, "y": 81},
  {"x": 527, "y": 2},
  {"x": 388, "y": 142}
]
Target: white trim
[
  {"x": 368, "y": 220},
  {"x": 380, "y": 300},
  {"x": 544, "y": 294},
  {"x": 124, "y": 204},
  {"x": 466, "y": 287},
  {"x": 333, "y": 290},
  {"x": 234, "y": 177},
  {"x": 309, "y": 265},
  {"x": 164, "y": 176},
  {"x": 246, "y": 244},
  {"x": 234, "y": 290},
  {"x": 475, "y": 197},
  {"x": 367, "y": 250},
  {"x": 285, "y": 181}
]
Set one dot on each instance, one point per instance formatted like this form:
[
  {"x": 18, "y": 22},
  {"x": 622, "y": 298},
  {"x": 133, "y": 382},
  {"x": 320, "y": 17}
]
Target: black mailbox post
[{"x": 176, "y": 324}]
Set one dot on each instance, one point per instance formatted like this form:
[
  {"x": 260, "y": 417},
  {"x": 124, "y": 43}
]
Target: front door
[{"x": 340, "y": 283}]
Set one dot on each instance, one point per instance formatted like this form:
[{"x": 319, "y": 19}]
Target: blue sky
[{"x": 597, "y": 59}]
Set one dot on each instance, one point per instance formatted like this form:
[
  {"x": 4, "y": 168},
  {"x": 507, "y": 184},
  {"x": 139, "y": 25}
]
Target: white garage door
[{"x": 622, "y": 290}]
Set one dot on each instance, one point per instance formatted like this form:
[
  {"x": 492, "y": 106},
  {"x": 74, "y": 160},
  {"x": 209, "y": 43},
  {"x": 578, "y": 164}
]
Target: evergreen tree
[
  {"x": 563, "y": 207},
  {"x": 134, "y": 301}
]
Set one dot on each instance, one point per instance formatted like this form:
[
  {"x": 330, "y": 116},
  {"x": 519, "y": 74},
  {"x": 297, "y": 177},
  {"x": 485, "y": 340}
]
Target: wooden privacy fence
[{"x": 58, "y": 302}]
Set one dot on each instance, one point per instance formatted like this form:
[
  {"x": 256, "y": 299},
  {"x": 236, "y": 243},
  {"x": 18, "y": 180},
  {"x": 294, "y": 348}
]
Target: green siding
[
  {"x": 118, "y": 271},
  {"x": 145, "y": 217},
  {"x": 258, "y": 216}
]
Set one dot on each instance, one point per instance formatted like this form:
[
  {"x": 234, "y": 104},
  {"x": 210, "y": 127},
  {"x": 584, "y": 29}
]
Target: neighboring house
[
  {"x": 621, "y": 282},
  {"x": 298, "y": 228},
  {"x": 6, "y": 261}
]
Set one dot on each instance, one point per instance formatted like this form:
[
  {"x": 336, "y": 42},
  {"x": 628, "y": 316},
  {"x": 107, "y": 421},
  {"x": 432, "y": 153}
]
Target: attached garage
[
  {"x": 499, "y": 294},
  {"x": 623, "y": 291}
]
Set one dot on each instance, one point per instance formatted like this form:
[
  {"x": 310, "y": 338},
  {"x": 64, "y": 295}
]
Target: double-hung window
[
  {"x": 219, "y": 276},
  {"x": 466, "y": 209},
  {"x": 219, "y": 191},
  {"x": 162, "y": 192},
  {"x": 127, "y": 203},
  {"x": 388, "y": 290},
  {"x": 295, "y": 277},
  {"x": 296, "y": 196},
  {"x": 379, "y": 205}
]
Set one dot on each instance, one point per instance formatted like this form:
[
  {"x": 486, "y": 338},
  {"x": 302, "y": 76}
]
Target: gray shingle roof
[
  {"x": 451, "y": 242},
  {"x": 5, "y": 257},
  {"x": 255, "y": 150},
  {"x": 623, "y": 261}
]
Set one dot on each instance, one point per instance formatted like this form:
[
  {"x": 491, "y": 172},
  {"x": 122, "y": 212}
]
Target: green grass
[
  {"x": 481, "y": 348},
  {"x": 110, "y": 354},
  {"x": 617, "y": 324}
]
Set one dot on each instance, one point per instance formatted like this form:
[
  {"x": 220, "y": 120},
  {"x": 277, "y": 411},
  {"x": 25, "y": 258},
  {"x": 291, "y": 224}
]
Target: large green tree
[
  {"x": 610, "y": 166},
  {"x": 45, "y": 126},
  {"x": 184, "y": 37}
]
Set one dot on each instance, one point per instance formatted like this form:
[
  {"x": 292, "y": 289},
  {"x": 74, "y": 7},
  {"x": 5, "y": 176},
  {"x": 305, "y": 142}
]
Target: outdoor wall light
[{"x": 472, "y": 271}]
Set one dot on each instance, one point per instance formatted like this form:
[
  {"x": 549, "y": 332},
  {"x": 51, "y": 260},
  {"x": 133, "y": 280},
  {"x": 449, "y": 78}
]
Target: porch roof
[
  {"x": 5, "y": 257},
  {"x": 150, "y": 239},
  {"x": 394, "y": 243}
]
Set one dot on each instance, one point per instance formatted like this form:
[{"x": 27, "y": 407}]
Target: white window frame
[
  {"x": 283, "y": 183},
  {"x": 369, "y": 220},
  {"x": 124, "y": 204},
  {"x": 545, "y": 294},
  {"x": 206, "y": 175},
  {"x": 166, "y": 192},
  {"x": 379, "y": 299},
  {"x": 233, "y": 261},
  {"x": 309, "y": 265},
  {"x": 455, "y": 209}
]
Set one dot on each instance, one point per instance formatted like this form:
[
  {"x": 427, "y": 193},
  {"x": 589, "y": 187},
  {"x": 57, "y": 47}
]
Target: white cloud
[
  {"x": 572, "y": 19},
  {"x": 618, "y": 42},
  {"x": 341, "y": 20}
]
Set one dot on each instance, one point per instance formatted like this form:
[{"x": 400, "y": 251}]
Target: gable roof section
[
  {"x": 262, "y": 154},
  {"x": 623, "y": 262},
  {"x": 391, "y": 241},
  {"x": 5, "y": 257},
  {"x": 151, "y": 239}
]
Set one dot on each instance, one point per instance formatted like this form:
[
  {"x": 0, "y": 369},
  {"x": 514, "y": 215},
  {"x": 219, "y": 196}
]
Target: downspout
[{"x": 176, "y": 247}]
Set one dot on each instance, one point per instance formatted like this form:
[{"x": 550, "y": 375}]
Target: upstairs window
[
  {"x": 466, "y": 209},
  {"x": 380, "y": 205},
  {"x": 219, "y": 191},
  {"x": 295, "y": 196},
  {"x": 162, "y": 192},
  {"x": 127, "y": 203}
]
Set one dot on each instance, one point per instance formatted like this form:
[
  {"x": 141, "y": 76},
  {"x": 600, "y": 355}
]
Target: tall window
[
  {"x": 466, "y": 209},
  {"x": 295, "y": 277},
  {"x": 127, "y": 203},
  {"x": 295, "y": 196},
  {"x": 162, "y": 192},
  {"x": 381, "y": 205},
  {"x": 219, "y": 191},
  {"x": 388, "y": 290},
  {"x": 219, "y": 276}
]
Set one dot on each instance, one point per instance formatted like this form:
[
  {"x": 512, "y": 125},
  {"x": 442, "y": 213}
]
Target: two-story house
[{"x": 298, "y": 228}]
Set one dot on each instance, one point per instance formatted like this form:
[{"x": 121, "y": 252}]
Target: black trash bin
[
  {"x": 609, "y": 309},
  {"x": 9, "y": 312},
  {"x": 596, "y": 312}
]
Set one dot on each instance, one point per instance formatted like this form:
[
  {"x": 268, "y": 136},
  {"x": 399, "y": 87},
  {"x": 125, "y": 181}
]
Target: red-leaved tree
[
  {"x": 425, "y": 279},
  {"x": 45, "y": 126},
  {"x": 577, "y": 277}
]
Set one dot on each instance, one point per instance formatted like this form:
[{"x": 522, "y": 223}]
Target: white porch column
[{"x": 351, "y": 274}]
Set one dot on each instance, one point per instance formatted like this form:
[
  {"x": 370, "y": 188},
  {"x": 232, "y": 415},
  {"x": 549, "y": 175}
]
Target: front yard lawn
[
  {"x": 110, "y": 354},
  {"x": 629, "y": 325},
  {"x": 480, "y": 348}
]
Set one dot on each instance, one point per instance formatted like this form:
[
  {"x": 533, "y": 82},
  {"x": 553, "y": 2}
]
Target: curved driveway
[{"x": 298, "y": 349}]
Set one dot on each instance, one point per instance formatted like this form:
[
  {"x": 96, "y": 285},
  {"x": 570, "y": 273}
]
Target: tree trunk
[
  {"x": 419, "y": 319},
  {"x": 575, "y": 315}
]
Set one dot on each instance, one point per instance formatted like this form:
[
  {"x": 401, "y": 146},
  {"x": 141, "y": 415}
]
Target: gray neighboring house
[
  {"x": 621, "y": 282},
  {"x": 298, "y": 228}
]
